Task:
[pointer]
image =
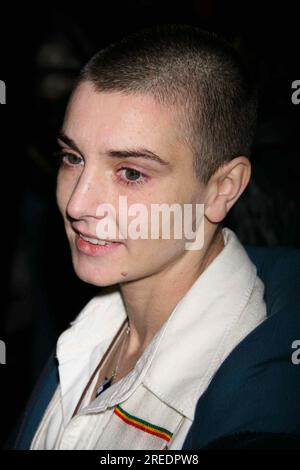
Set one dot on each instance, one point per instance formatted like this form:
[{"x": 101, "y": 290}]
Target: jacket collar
[{"x": 180, "y": 361}]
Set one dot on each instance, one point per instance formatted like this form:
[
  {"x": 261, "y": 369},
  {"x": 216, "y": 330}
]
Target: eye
[
  {"x": 68, "y": 159},
  {"x": 131, "y": 176}
]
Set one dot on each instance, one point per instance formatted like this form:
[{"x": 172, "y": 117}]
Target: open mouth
[
  {"x": 94, "y": 246},
  {"x": 95, "y": 241}
]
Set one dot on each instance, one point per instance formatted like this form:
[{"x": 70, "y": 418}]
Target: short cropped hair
[{"x": 194, "y": 70}]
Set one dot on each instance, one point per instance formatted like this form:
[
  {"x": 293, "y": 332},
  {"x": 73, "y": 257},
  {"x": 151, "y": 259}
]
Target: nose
[{"x": 89, "y": 191}]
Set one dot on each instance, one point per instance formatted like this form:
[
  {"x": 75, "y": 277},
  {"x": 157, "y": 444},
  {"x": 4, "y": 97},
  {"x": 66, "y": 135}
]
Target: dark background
[{"x": 41, "y": 52}]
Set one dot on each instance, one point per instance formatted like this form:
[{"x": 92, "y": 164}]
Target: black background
[{"x": 42, "y": 49}]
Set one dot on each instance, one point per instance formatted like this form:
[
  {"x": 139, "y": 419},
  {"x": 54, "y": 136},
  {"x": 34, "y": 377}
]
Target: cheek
[
  {"x": 59, "y": 197},
  {"x": 63, "y": 189},
  {"x": 155, "y": 253}
]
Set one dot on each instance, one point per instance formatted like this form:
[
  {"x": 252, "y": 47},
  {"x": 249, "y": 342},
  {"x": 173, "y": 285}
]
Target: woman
[{"x": 165, "y": 116}]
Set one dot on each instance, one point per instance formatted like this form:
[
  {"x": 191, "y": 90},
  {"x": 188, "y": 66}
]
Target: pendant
[{"x": 105, "y": 384}]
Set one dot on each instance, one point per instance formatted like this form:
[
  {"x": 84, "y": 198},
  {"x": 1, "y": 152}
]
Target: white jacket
[{"x": 154, "y": 405}]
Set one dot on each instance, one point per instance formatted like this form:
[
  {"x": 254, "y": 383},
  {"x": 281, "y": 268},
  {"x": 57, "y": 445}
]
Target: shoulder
[{"x": 256, "y": 389}]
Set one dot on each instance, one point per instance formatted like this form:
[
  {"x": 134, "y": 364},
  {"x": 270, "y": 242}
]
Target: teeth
[{"x": 95, "y": 241}]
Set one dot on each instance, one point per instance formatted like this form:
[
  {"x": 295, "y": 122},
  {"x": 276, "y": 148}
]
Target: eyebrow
[
  {"x": 126, "y": 153},
  {"x": 67, "y": 140}
]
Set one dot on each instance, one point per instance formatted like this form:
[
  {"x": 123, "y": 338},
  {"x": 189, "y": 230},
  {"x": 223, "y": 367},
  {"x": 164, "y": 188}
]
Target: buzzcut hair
[{"x": 194, "y": 70}]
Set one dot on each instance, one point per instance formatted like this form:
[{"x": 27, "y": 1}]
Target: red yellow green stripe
[{"x": 142, "y": 425}]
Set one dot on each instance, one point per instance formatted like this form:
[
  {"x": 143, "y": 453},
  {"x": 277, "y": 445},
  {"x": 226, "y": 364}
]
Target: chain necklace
[{"x": 107, "y": 381}]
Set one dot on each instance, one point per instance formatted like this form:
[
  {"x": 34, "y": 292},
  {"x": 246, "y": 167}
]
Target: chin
[
  {"x": 97, "y": 276},
  {"x": 99, "y": 280}
]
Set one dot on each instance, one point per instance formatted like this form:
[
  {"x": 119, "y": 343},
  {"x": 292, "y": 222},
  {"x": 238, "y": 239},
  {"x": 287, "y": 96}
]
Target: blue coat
[{"x": 253, "y": 400}]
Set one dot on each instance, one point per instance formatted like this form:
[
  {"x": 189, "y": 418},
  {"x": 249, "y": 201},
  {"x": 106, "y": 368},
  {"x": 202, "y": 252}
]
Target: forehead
[{"x": 118, "y": 119}]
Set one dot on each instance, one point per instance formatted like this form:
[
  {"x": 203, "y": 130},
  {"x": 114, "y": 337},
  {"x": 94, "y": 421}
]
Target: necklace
[{"x": 107, "y": 381}]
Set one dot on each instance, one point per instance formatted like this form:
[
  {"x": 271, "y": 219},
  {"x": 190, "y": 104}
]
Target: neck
[{"x": 150, "y": 301}]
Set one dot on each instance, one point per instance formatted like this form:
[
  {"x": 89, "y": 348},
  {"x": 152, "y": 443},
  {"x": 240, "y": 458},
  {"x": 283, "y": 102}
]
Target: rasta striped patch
[{"x": 142, "y": 425}]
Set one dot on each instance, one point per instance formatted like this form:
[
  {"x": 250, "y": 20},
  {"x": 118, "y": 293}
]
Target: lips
[
  {"x": 101, "y": 248},
  {"x": 91, "y": 238},
  {"x": 95, "y": 241}
]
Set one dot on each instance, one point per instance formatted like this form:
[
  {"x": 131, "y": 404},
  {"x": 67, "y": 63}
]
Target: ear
[{"x": 225, "y": 187}]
